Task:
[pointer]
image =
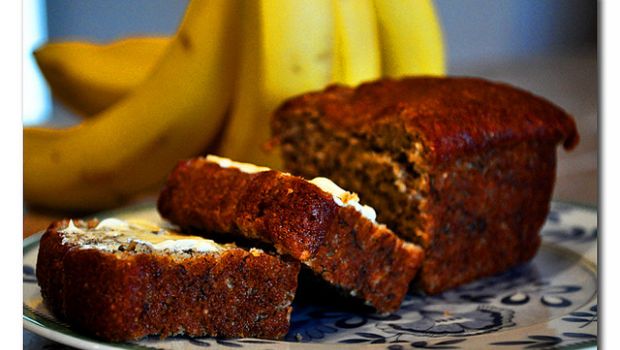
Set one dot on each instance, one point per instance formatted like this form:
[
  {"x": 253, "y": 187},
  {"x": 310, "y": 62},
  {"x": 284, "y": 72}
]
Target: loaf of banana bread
[
  {"x": 463, "y": 167},
  {"x": 315, "y": 222},
  {"x": 121, "y": 280}
]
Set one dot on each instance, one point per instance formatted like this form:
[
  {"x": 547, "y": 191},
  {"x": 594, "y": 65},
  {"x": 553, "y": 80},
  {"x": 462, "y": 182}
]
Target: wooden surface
[{"x": 569, "y": 80}]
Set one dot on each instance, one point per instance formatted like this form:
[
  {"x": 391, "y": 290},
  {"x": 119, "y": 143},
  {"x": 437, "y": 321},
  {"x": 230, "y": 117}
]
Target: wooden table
[{"x": 570, "y": 80}]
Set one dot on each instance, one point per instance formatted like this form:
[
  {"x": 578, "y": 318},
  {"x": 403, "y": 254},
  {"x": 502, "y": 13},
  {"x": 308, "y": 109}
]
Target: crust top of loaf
[
  {"x": 340, "y": 196},
  {"x": 452, "y": 116}
]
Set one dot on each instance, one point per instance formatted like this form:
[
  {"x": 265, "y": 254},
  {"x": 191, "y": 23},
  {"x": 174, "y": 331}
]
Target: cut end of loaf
[
  {"x": 314, "y": 221},
  {"x": 460, "y": 166},
  {"x": 388, "y": 171},
  {"x": 118, "y": 286}
]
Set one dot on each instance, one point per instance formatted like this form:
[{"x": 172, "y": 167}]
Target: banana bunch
[
  {"x": 88, "y": 77},
  {"x": 151, "y": 101}
]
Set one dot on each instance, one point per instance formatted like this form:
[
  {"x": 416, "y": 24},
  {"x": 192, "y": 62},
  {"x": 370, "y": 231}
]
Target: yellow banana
[
  {"x": 133, "y": 144},
  {"x": 358, "y": 57},
  {"x": 249, "y": 115},
  {"x": 293, "y": 54},
  {"x": 89, "y": 77},
  {"x": 297, "y": 50},
  {"x": 410, "y": 36}
]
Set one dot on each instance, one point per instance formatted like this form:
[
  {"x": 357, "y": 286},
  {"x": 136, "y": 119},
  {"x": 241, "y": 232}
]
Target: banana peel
[
  {"x": 133, "y": 144},
  {"x": 284, "y": 55},
  {"x": 358, "y": 55},
  {"x": 88, "y": 77},
  {"x": 411, "y": 38},
  {"x": 174, "y": 102}
]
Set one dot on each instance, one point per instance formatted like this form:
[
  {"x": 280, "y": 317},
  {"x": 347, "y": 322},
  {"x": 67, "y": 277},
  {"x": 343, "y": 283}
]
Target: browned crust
[
  {"x": 369, "y": 262},
  {"x": 454, "y": 116},
  {"x": 125, "y": 296},
  {"x": 299, "y": 220},
  {"x": 485, "y": 218},
  {"x": 479, "y": 156}
]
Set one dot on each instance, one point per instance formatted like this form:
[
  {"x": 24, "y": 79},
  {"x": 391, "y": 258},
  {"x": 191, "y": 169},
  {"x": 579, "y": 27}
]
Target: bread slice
[
  {"x": 461, "y": 166},
  {"x": 315, "y": 222},
  {"x": 120, "y": 280}
]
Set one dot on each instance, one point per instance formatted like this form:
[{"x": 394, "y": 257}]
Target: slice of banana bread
[
  {"x": 461, "y": 166},
  {"x": 122, "y": 280},
  {"x": 315, "y": 222}
]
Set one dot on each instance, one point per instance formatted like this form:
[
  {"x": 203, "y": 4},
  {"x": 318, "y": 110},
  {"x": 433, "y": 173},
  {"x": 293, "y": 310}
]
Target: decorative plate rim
[{"x": 55, "y": 330}]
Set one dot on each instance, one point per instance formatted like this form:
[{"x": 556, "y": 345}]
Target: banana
[
  {"x": 411, "y": 38},
  {"x": 358, "y": 57},
  {"x": 297, "y": 50},
  {"x": 174, "y": 103},
  {"x": 89, "y": 77},
  {"x": 295, "y": 54},
  {"x": 249, "y": 115},
  {"x": 132, "y": 145}
]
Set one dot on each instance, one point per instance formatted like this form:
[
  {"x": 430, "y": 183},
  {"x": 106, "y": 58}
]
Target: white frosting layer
[
  {"x": 111, "y": 233},
  {"x": 344, "y": 198},
  {"x": 244, "y": 167},
  {"x": 341, "y": 197},
  {"x": 71, "y": 228},
  {"x": 199, "y": 245},
  {"x": 112, "y": 224}
]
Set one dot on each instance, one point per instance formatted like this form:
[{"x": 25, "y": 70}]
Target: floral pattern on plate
[{"x": 549, "y": 302}]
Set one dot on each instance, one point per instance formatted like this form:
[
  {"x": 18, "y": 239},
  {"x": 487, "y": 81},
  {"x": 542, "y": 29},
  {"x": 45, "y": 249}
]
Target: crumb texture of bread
[
  {"x": 362, "y": 258},
  {"x": 461, "y": 166},
  {"x": 123, "y": 295}
]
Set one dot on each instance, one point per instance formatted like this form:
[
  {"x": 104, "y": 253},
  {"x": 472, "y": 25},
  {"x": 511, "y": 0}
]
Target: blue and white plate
[{"x": 548, "y": 303}]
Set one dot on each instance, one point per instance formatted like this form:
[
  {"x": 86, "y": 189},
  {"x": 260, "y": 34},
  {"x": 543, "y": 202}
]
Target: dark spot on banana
[
  {"x": 324, "y": 56},
  {"x": 186, "y": 42},
  {"x": 55, "y": 157},
  {"x": 98, "y": 177},
  {"x": 158, "y": 142},
  {"x": 295, "y": 68}
]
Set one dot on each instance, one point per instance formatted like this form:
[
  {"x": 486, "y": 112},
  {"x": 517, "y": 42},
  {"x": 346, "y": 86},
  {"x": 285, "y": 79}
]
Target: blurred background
[
  {"x": 546, "y": 46},
  {"x": 479, "y": 35}
]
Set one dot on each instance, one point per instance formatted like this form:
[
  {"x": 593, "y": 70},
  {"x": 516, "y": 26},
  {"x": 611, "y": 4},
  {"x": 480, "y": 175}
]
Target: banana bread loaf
[
  {"x": 315, "y": 222},
  {"x": 120, "y": 280},
  {"x": 460, "y": 166}
]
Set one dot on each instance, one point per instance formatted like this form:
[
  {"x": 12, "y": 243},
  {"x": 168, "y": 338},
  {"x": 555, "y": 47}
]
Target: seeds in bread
[
  {"x": 315, "y": 222},
  {"x": 463, "y": 167},
  {"x": 122, "y": 281}
]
